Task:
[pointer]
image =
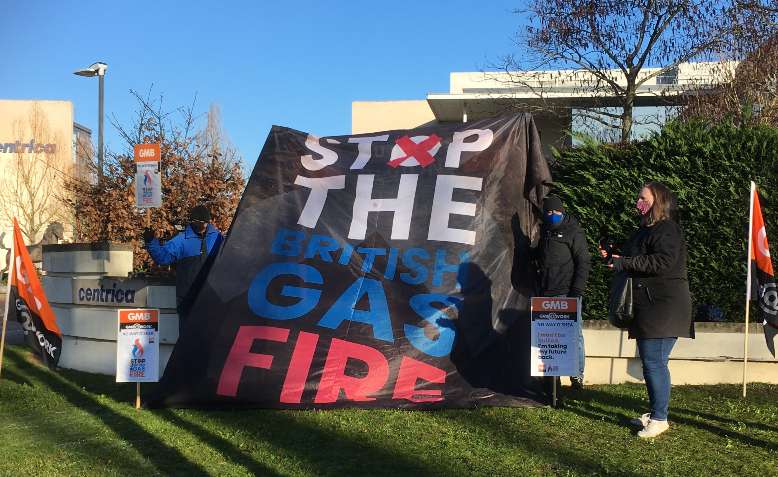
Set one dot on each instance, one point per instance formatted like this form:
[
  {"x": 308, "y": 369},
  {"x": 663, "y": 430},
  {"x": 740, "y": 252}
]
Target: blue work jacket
[{"x": 185, "y": 251}]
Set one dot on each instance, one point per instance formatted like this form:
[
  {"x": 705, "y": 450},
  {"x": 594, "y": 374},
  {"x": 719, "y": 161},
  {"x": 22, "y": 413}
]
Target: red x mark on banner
[{"x": 418, "y": 151}]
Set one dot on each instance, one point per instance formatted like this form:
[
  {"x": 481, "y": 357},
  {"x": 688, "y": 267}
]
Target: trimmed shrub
[{"x": 709, "y": 167}]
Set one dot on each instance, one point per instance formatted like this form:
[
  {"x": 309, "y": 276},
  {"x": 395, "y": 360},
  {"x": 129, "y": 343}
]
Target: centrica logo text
[
  {"x": 554, "y": 305},
  {"x": 31, "y": 147},
  {"x": 107, "y": 295}
]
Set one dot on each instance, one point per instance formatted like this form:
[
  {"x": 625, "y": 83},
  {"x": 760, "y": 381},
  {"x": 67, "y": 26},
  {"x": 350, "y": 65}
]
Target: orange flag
[
  {"x": 764, "y": 288},
  {"x": 31, "y": 306}
]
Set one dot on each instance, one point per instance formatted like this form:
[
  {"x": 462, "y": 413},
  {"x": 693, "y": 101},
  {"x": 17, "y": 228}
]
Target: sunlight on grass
[{"x": 72, "y": 423}]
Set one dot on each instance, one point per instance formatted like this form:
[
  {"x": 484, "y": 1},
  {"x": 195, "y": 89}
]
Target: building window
[{"x": 668, "y": 77}]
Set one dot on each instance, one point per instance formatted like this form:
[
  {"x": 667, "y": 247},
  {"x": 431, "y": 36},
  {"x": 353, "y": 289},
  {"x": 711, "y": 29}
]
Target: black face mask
[{"x": 198, "y": 227}]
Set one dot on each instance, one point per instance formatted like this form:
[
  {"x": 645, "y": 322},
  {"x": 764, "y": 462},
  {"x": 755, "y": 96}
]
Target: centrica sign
[
  {"x": 110, "y": 292},
  {"x": 32, "y": 147}
]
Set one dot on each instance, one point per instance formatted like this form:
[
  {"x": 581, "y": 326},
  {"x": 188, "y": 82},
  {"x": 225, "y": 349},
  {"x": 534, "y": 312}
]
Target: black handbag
[{"x": 620, "y": 311}]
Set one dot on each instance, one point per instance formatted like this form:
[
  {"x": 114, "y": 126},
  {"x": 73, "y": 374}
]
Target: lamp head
[{"x": 95, "y": 69}]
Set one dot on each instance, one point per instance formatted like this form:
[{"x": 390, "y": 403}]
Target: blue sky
[{"x": 293, "y": 63}]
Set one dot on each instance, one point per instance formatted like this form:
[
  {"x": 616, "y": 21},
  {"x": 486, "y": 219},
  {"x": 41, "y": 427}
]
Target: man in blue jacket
[{"x": 192, "y": 251}]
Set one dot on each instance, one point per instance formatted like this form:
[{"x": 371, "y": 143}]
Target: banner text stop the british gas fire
[{"x": 365, "y": 270}]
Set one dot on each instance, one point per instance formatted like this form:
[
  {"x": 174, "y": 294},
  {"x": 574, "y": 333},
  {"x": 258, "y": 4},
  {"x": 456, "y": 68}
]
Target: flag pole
[
  {"x": 11, "y": 271},
  {"x": 748, "y": 284}
]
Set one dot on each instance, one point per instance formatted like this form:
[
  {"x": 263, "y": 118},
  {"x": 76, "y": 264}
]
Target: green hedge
[{"x": 709, "y": 167}]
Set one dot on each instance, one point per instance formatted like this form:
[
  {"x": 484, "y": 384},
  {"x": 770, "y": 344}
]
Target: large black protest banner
[{"x": 381, "y": 270}]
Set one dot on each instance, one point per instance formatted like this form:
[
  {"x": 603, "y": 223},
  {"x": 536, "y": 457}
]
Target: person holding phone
[{"x": 655, "y": 257}]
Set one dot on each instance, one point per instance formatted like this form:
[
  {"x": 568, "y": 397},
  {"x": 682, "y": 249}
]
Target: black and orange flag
[
  {"x": 762, "y": 286},
  {"x": 31, "y": 306}
]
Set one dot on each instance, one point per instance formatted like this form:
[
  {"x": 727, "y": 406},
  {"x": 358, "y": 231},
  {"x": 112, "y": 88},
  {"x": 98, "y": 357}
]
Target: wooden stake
[
  {"x": 148, "y": 217},
  {"x": 137, "y": 395},
  {"x": 11, "y": 271},
  {"x": 745, "y": 350}
]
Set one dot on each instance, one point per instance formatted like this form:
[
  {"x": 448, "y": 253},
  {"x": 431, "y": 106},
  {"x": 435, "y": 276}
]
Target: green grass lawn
[{"x": 71, "y": 423}]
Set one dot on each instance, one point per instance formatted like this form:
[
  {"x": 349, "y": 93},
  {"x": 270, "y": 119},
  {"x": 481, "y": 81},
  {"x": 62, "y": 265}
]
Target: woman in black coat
[{"x": 655, "y": 258}]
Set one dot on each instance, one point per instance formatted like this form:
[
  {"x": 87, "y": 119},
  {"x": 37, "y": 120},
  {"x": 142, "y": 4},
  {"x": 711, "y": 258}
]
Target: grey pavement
[{"x": 13, "y": 333}]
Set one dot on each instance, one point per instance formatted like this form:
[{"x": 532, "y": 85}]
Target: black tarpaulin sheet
[{"x": 376, "y": 270}]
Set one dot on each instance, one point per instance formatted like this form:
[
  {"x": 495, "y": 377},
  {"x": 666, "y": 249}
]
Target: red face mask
[{"x": 643, "y": 206}]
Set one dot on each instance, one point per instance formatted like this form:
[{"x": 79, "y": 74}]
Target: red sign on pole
[{"x": 147, "y": 153}]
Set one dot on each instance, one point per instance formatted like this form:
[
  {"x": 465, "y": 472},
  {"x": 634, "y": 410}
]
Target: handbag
[{"x": 620, "y": 310}]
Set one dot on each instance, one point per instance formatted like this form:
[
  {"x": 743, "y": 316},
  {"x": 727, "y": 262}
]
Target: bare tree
[
  {"x": 32, "y": 182},
  {"x": 749, "y": 96},
  {"x": 614, "y": 47},
  {"x": 198, "y": 166},
  {"x": 214, "y": 140},
  {"x": 766, "y": 6}
]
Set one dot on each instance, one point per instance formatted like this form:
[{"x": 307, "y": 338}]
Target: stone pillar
[{"x": 86, "y": 284}]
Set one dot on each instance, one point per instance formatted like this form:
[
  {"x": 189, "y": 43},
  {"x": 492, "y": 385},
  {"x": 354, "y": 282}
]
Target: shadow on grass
[
  {"x": 596, "y": 414},
  {"x": 13, "y": 376},
  {"x": 556, "y": 452},
  {"x": 583, "y": 403},
  {"x": 726, "y": 420},
  {"x": 757, "y": 396},
  {"x": 66, "y": 435},
  {"x": 226, "y": 448},
  {"x": 164, "y": 458},
  {"x": 587, "y": 408},
  {"x": 327, "y": 451}
]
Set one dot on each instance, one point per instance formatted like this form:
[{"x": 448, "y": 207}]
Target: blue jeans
[{"x": 654, "y": 354}]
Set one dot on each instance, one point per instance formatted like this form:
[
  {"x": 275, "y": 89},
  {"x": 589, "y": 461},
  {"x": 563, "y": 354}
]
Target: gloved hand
[{"x": 148, "y": 235}]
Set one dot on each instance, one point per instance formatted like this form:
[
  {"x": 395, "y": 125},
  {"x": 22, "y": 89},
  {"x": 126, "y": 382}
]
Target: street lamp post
[{"x": 97, "y": 69}]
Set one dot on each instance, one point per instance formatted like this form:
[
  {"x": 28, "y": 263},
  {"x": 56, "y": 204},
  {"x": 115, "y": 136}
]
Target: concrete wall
[
  {"x": 715, "y": 356},
  {"x": 372, "y": 116},
  {"x": 89, "y": 328},
  {"x": 89, "y": 341}
]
